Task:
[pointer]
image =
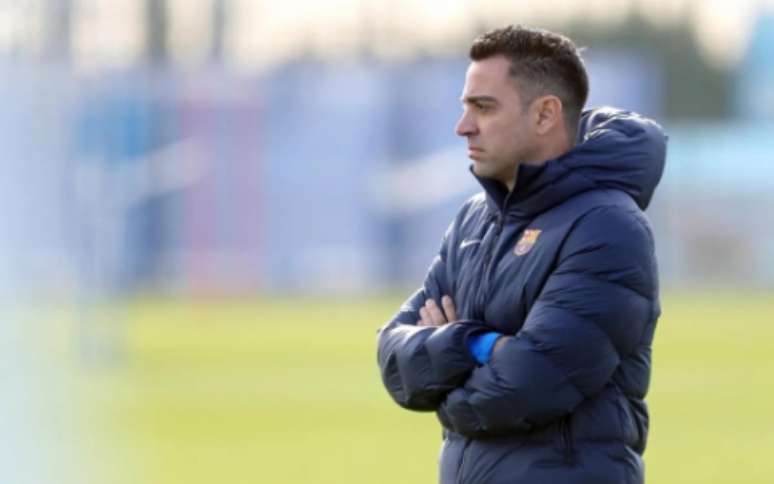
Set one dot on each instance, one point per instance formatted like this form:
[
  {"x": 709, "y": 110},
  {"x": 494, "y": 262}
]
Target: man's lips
[{"x": 474, "y": 153}]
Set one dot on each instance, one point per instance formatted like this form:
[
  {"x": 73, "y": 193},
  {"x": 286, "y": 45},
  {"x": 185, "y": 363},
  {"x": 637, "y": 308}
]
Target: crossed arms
[{"x": 590, "y": 314}]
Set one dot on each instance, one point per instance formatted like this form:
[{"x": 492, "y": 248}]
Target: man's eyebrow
[{"x": 478, "y": 99}]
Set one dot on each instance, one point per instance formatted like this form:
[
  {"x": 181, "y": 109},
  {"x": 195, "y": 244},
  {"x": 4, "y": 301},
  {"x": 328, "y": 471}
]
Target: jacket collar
[{"x": 616, "y": 149}]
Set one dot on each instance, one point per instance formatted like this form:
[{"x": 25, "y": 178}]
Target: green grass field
[{"x": 287, "y": 391}]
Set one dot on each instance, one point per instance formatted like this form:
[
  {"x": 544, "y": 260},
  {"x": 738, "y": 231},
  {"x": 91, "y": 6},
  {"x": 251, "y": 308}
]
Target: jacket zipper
[
  {"x": 461, "y": 468},
  {"x": 481, "y": 300},
  {"x": 568, "y": 451},
  {"x": 488, "y": 258},
  {"x": 483, "y": 285}
]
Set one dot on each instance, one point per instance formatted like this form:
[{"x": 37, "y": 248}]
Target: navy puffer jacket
[{"x": 564, "y": 266}]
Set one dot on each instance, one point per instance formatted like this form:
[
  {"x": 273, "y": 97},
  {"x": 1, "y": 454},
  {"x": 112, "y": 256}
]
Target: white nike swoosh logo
[{"x": 466, "y": 243}]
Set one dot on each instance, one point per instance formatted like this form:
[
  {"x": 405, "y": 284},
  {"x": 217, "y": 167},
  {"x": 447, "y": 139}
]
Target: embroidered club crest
[{"x": 527, "y": 240}]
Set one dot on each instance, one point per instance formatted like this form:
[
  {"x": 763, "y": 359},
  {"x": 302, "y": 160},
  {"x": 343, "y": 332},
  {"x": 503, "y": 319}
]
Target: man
[{"x": 531, "y": 335}]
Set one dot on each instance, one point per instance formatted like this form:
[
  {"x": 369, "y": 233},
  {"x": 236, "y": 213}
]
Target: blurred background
[{"x": 208, "y": 207}]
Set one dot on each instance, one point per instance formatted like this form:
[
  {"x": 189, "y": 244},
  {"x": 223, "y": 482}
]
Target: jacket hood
[{"x": 616, "y": 149}]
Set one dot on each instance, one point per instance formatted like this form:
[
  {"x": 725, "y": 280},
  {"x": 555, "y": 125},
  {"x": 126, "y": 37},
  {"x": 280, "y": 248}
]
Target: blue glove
[{"x": 480, "y": 345}]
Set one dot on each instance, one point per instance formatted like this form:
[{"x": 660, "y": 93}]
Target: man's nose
[{"x": 465, "y": 126}]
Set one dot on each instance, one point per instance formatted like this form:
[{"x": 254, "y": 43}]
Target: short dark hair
[{"x": 542, "y": 62}]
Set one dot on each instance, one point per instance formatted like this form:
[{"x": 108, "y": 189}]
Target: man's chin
[{"x": 481, "y": 170}]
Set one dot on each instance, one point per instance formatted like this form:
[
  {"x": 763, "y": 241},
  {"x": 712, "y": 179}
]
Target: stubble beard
[{"x": 505, "y": 175}]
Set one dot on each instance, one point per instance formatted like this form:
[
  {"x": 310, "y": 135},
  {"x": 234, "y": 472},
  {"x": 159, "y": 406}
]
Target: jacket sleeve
[
  {"x": 591, "y": 314},
  {"x": 420, "y": 365}
]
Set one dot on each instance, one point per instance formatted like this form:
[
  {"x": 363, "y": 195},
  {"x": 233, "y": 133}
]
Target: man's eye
[{"x": 483, "y": 107}]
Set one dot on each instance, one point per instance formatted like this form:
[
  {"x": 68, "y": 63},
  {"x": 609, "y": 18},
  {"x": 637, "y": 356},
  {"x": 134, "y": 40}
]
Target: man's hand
[
  {"x": 432, "y": 315},
  {"x": 499, "y": 344}
]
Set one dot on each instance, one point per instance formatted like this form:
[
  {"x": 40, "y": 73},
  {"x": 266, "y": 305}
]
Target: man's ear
[{"x": 548, "y": 113}]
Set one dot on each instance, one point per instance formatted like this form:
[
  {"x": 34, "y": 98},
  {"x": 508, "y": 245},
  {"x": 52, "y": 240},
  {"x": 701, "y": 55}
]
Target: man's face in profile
[{"x": 495, "y": 121}]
